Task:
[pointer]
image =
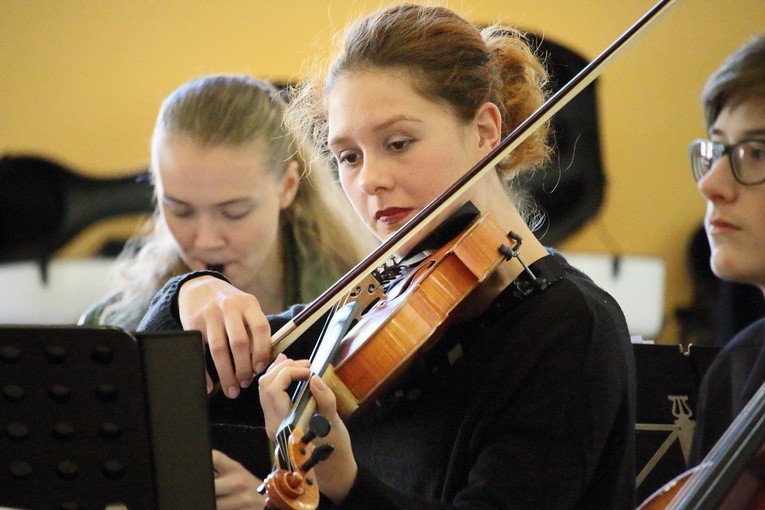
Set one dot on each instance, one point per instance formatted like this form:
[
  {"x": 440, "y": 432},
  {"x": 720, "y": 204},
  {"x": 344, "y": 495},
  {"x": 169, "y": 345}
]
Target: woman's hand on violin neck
[
  {"x": 233, "y": 326},
  {"x": 336, "y": 474},
  {"x": 235, "y": 487},
  {"x": 272, "y": 389}
]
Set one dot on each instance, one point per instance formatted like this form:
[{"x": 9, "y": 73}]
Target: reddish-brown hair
[{"x": 450, "y": 61}]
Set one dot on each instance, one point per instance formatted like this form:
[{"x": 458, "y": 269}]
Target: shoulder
[
  {"x": 571, "y": 321},
  {"x": 750, "y": 339},
  {"x": 575, "y": 323},
  {"x": 590, "y": 292},
  {"x": 743, "y": 352},
  {"x": 92, "y": 315},
  {"x": 577, "y": 300},
  {"x": 731, "y": 380},
  {"x": 740, "y": 365}
]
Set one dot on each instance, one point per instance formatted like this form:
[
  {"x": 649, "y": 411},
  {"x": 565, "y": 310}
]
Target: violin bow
[{"x": 288, "y": 333}]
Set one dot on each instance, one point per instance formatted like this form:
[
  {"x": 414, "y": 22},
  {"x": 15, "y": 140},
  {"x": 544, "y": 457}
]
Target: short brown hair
[{"x": 741, "y": 75}]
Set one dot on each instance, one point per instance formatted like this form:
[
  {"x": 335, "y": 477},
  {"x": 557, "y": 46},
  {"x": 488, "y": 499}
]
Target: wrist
[
  {"x": 343, "y": 479},
  {"x": 174, "y": 305}
]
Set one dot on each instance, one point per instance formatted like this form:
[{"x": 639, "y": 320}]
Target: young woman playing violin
[{"x": 527, "y": 399}]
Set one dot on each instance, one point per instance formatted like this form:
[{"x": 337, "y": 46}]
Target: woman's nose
[
  {"x": 374, "y": 176},
  {"x": 719, "y": 182},
  {"x": 208, "y": 233}
]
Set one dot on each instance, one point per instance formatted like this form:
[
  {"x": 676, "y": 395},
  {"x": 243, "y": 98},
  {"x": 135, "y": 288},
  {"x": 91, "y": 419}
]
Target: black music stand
[
  {"x": 97, "y": 418},
  {"x": 667, "y": 386}
]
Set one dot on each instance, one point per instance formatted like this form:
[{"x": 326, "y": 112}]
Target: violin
[
  {"x": 730, "y": 476},
  {"x": 369, "y": 341},
  {"x": 356, "y": 359}
]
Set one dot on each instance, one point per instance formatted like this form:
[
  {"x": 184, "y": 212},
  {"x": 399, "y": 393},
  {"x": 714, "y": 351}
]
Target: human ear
[
  {"x": 488, "y": 122},
  {"x": 289, "y": 185}
]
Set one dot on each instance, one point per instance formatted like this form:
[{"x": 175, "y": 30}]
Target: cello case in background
[{"x": 44, "y": 204}]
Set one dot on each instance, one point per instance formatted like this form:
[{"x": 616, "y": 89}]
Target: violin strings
[{"x": 282, "y": 439}]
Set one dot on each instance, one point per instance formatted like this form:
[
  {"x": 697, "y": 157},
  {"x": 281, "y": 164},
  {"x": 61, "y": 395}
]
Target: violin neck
[
  {"x": 303, "y": 407},
  {"x": 324, "y": 353}
]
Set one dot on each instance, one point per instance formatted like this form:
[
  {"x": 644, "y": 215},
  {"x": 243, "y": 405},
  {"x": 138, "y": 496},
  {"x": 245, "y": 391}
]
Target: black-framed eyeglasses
[{"x": 747, "y": 159}]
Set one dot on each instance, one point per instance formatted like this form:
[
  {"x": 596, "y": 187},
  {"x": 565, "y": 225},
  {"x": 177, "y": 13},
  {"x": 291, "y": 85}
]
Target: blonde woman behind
[{"x": 233, "y": 195}]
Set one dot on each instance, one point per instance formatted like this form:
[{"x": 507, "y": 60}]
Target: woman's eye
[
  {"x": 180, "y": 212},
  {"x": 757, "y": 150},
  {"x": 348, "y": 158},
  {"x": 230, "y": 216},
  {"x": 236, "y": 213},
  {"x": 399, "y": 145}
]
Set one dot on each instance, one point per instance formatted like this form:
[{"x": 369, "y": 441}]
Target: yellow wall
[{"x": 81, "y": 81}]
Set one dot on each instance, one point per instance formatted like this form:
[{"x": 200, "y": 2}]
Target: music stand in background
[
  {"x": 668, "y": 379},
  {"x": 97, "y": 418}
]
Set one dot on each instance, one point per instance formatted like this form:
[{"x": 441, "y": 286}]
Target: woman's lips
[
  {"x": 392, "y": 215},
  {"x": 721, "y": 227}
]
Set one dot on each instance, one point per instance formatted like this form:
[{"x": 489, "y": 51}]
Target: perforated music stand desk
[{"x": 97, "y": 418}]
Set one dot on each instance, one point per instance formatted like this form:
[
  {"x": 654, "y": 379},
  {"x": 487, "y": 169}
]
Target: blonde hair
[
  {"x": 233, "y": 111},
  {"x": 450, "y": 61}
]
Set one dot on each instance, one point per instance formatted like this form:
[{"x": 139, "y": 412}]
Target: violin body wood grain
[{"x": 393, "y": 332}]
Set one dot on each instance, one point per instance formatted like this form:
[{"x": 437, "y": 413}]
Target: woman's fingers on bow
[
  {"x": 235, "y": 487},
  {"x": 201, "y": 305},
  {"x": 248, "y": 344},
  {"x": 217, "y": 341},
  {"x": 258, "y": 356},
  {"x": 272, "y": 389},
  {"x": 233, "y": 326}
]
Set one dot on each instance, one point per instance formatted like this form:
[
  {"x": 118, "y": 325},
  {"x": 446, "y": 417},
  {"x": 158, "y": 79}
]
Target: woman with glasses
[{"x": 730, "y": 172}]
